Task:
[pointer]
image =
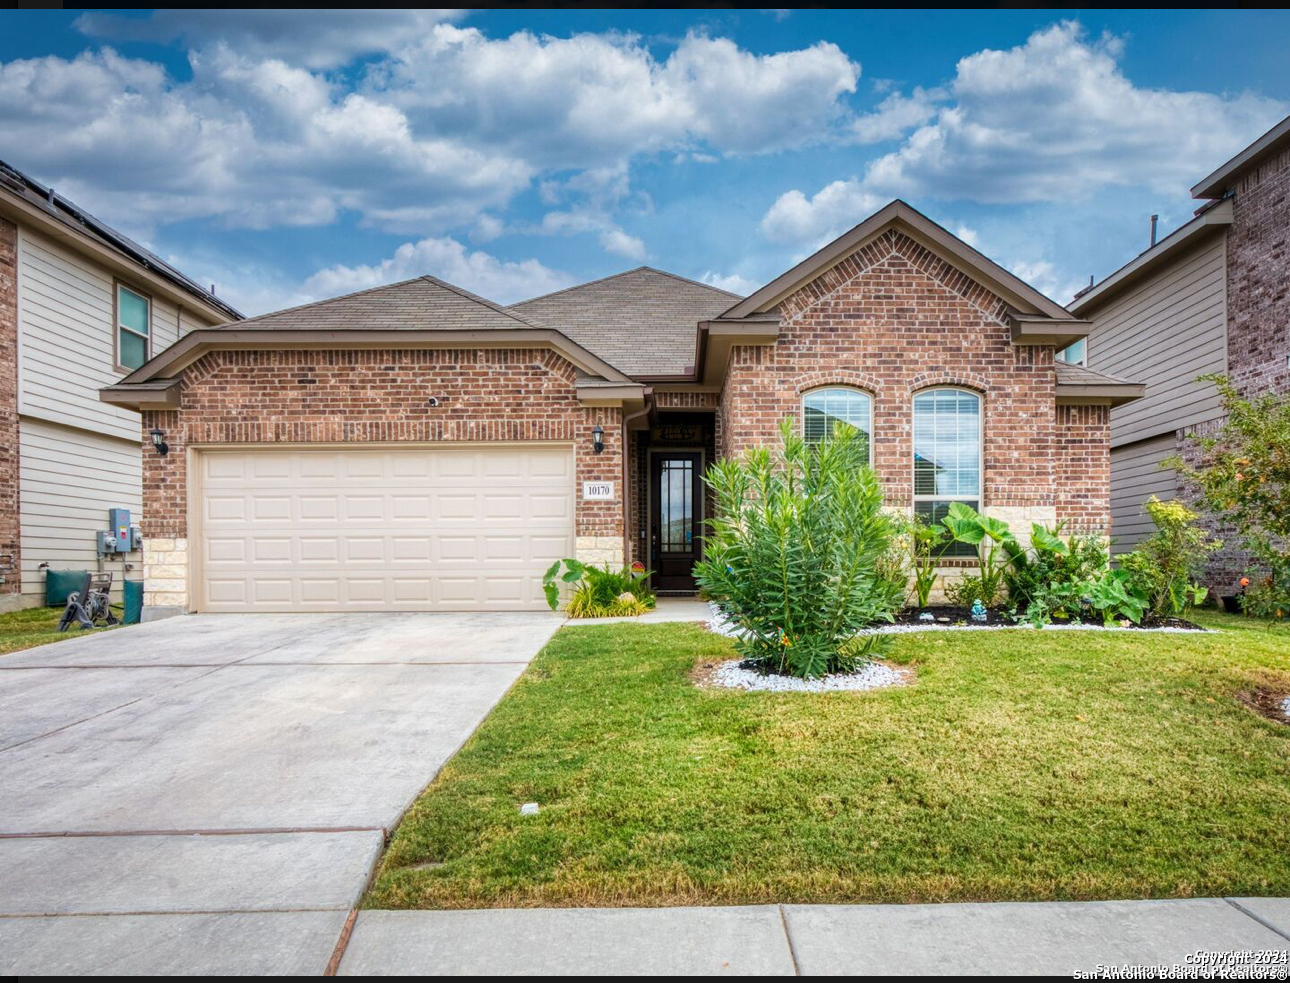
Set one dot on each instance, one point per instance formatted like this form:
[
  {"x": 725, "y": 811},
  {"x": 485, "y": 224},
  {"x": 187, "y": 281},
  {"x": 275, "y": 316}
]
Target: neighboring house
[
  {"x": 80, "y": 306},
  {"x": 1213, "y": 296},
  {"x": 415, "y": 447}
]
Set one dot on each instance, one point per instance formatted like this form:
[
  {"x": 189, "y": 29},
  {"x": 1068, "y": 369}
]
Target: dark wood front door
[{"x": 676, "y": 518}]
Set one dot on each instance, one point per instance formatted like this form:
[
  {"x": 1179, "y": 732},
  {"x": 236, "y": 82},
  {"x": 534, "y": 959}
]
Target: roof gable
[
  {"x": 644, "y": 321},
  {"x": 899, "y": 216},
  {"x": 422, "y": 303}
]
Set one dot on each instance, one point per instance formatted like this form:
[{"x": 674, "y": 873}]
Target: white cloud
[
  {"x": 479, "y": 272},
  {"x": 592, "y": 100},
  {"x": 619, "y": 243},
  {"x": 324, "y": 38},
  {"x": 444, "y": 124},
  {"x": 835, "y": 207},
  {"x": 1046, "y": 278},
  {"x": 1053, "y": 119},
  {"x": 250, "y": 143},
  {"x": 895, "y": 116},
  {"x": 733, "y": 282}
]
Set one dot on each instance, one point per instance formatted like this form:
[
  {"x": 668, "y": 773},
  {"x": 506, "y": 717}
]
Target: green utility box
[
  {"x": 60, "y": 583},
  {"x": 133, "y": 602}
]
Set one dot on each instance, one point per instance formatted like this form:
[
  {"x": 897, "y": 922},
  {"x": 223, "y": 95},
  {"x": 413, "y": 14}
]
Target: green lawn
[
  {"x": 34, "y": 626},
  {"x": 1019, "y": 766}
]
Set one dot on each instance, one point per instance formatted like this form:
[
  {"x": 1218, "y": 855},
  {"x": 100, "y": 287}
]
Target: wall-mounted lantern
[
  {"x": 598, "y": 438},
  {"x": 159, "y": 441}
]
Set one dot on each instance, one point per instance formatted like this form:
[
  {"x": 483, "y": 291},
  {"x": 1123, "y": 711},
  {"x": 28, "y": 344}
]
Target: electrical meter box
[
  {"x": 107, "y": 542},
  {"x": 119, "y": 520}
]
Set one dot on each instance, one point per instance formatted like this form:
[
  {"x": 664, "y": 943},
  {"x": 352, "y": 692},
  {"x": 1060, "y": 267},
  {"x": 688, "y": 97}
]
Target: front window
[
  {"x": 947, "y": 455},
  {"x": 1076, "y": 352},
  {"x": 133, "y": 316},
  {"x": 824, "y": 409}
]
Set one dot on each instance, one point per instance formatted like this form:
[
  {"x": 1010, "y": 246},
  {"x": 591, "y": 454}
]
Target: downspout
[{"x": 627, "y": 487}]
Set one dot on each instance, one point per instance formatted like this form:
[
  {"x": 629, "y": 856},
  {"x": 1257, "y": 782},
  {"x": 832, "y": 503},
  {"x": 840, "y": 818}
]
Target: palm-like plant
[{"x": 794, "y": 552}]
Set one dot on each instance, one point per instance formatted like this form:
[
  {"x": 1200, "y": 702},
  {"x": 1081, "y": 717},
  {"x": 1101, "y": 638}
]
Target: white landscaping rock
[
  {"x": 1285, "y": 706},
  {"x": 722, "y": 625},
  {"x": 873, "y": 676}
]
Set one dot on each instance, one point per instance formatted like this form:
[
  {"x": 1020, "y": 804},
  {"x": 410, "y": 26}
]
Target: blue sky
[{"x": 287, "y": 156}]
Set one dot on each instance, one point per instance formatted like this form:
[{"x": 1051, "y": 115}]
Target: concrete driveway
[{"x": 209, "y": 793}]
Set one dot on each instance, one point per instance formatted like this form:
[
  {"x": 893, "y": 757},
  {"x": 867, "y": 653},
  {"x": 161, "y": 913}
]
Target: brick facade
[
  {"x": 894, "y": 319},
  {"x": 1084, "y": 468},
  {"x": 1258, "y": 279},
  {"x": 10, "y": 532},
  {"x": 365, "y": 396}
]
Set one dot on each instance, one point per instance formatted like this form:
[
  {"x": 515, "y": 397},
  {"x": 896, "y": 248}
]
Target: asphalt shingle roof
[
  {"x": 425, "y": 304},
  {"x": 1079, "y": 375},
  {"x": 643, "y": 322}
]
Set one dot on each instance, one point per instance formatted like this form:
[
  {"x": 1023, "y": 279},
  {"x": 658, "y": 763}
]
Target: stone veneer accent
[
  {"x": 10, "y": 531},
  {"x": 367, "y": 396}
]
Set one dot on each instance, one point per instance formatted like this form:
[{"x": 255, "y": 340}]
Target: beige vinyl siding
[
  {"x": 68, "y": 481},
  {"x": 1136, "y": 475},
  {"x": 66, "y": 337},
  {"x": 1164, "y": 332}
]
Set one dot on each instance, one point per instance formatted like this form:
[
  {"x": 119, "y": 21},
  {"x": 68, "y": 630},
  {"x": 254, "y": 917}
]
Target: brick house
[
  {"x": 1211, "y": 297},
  {"x": 416, "y": 447}
]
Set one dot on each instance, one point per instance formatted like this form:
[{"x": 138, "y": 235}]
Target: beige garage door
[{"x": 467, "y": 528}]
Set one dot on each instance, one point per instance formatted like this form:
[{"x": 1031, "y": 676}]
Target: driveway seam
[
  {"x": 788, "y": 937},
  {"x": 342, "y": 943},
  {"x": 1262, "y": 921}
]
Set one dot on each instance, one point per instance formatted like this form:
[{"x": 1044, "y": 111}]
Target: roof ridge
[
  {"x": 316, "y": 303},
  {"x": 476, "y": 298},
  {"x": 622, "y": 273}
]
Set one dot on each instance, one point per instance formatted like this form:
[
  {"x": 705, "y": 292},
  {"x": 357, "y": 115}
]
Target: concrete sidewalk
[{"x": 1054, "y": 938}]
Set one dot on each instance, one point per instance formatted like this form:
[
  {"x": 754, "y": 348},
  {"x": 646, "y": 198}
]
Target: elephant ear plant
[
  {"x": 795, "y": 554},
  {"x": 996, "y": 547}
]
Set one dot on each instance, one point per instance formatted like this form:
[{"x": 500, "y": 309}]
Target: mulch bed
[
  {"x": 946, "y": 614},
  {"x": 1267, "y": 703}
]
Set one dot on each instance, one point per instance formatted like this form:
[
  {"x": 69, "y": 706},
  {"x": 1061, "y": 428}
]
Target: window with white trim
[
  {"x": 947, "y": 455},
  {"x": 133, "y": 320},
  {"x": 824, "y": 409}
]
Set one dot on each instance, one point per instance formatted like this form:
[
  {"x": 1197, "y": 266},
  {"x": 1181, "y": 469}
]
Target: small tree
[
  {"x": 1244, "y": 476},
  {"x": 796, "y": 550},
  {"x": 1166, "y": 566}
]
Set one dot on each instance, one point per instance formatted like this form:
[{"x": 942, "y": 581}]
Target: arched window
[
  {"x": 947, "y": 454},
  {"x": 824, "y": 409}
]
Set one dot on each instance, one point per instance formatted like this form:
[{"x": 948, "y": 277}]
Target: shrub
[
  {"x": 1267, "y": 598},
  {"x": 599, "y": 592},
  {"x": 1244, "y": 476},
  {"x": 1053, "y": 578},
  {"x": 996, "y": 548},
  {"x": 795, "y": 553},
  {"x": 1165, "y": 567},
  {"x": 964, "y": 591}
]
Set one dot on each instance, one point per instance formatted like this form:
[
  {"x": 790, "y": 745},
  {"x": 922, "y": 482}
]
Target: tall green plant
[
  {"x": 920, "y": 543},
  {"x": 996, "y": 547},
  {"x": 794, "y": 554}
]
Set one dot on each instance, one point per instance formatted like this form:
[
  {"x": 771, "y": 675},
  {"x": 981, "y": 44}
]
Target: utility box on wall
[{"x": 119, "y": 520}]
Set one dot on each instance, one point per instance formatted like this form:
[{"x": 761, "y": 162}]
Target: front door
[{"x": 676, "y": 514}]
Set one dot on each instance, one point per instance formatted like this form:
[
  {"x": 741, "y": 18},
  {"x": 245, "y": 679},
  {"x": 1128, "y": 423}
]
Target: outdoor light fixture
[
  {"x": 159, "y": 441},
  {"x": 598, "y": 438}
]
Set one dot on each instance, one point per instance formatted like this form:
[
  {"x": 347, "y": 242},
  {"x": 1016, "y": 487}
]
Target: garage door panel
[{"x": 466, "y": 528}]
